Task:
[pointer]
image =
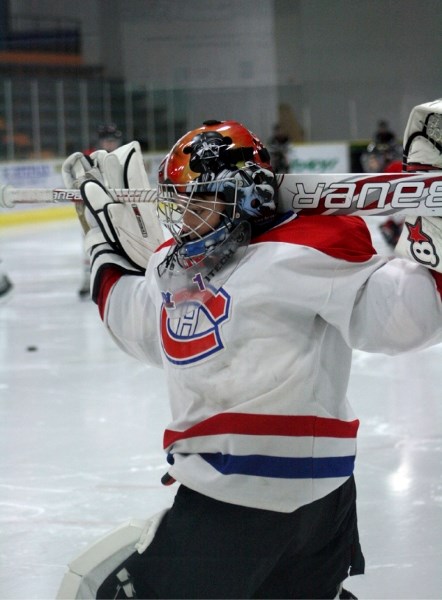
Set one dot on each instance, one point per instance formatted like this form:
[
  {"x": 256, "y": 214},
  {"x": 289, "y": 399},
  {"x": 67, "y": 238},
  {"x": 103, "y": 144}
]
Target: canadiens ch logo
[{"x": 197, "y": 334}]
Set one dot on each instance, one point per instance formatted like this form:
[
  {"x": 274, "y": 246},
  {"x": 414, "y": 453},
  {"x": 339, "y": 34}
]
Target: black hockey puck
[{"x": 32, "y": 348}]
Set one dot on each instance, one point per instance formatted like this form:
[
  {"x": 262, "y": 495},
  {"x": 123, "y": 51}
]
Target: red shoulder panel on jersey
[{"x": 344, "y": 237}]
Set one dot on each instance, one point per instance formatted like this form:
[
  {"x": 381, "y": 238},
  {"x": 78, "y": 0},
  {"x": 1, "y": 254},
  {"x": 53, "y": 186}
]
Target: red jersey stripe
[{"x": 254, "y": 424}]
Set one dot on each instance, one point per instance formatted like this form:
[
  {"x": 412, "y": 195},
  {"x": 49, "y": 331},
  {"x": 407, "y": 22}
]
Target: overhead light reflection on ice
[{"x": 400, "y": 480}]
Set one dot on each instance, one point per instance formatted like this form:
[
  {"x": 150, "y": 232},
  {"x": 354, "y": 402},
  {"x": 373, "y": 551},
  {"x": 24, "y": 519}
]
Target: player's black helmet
[{"x": 109, "y": 131}]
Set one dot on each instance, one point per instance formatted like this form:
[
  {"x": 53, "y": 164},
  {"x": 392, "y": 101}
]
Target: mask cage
[{"x": 187, "y": 210}]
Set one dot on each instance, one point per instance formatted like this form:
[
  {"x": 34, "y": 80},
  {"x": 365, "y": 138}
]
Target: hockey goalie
[{"x": 253, "y": 314}]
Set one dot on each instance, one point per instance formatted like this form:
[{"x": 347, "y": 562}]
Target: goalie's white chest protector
[{"x": 258, "y": 374}]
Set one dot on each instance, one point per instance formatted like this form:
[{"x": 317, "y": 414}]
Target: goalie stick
[
  {"x": 328, "y": 194},
  {"x": 10, "y": 196}
]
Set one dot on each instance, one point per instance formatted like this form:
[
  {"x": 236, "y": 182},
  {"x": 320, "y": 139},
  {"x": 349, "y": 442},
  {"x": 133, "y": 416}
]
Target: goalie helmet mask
[
  {"x": 214, "y": 178},
  {"x": 216, "y": 189}
]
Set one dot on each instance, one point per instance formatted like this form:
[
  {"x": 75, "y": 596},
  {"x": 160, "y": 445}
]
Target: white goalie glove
[
  {"x": 421, "y": 237},
  {"x": 122, "y": 168},
  {"x": 421, "y": 241},
  {"x": 123, "y": 234},
  {"x": 101, "y": 240},
  {"x": 423, "y": 138}
]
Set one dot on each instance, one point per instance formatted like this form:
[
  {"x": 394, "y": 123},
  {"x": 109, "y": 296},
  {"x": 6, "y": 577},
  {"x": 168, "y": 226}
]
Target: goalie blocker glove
[
  {"x": 421, "y": 241},
  {"x": 101, "y": 241},
  {"x": 122, "y": 235},
  {"x": 421, "y": 237},
  {"x": 423, "y": 138}
]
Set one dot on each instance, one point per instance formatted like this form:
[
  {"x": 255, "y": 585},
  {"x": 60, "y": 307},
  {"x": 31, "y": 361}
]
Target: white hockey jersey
[{"x": 258, "y": 375}]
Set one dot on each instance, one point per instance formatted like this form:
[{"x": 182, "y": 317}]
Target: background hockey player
[
  {"x": 278, "y": 147},
  {"x": 384, "y": 155},
  {"x": 252, "y": 315}
]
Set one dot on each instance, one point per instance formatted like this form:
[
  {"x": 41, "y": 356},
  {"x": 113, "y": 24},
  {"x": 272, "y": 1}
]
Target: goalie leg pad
[
  {"x": 90, "y": 569},
  {"x": 421, "y": 241}
]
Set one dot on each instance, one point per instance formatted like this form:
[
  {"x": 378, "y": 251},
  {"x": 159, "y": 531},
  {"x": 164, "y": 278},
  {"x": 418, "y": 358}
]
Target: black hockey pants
[{"x": 210, "y": 549}]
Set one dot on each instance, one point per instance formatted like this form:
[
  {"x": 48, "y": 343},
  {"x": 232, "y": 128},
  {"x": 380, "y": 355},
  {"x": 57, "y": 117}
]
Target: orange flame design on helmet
[{"x": 216, "y": 145}]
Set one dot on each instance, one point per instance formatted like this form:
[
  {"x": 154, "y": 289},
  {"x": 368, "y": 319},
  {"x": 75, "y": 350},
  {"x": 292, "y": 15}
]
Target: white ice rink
[{"x": 81, "y": 435}]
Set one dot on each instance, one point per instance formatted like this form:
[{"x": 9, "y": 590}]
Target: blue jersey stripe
[{"x": 281, "y": 467}]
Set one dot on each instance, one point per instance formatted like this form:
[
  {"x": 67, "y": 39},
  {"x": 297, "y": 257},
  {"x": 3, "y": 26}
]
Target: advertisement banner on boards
[{"x": 319, "y": 158}]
